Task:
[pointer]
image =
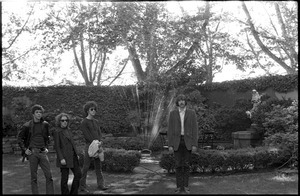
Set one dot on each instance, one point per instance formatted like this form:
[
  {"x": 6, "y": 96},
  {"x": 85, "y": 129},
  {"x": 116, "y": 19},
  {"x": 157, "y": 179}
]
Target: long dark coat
[
  {"x": 65, "y": 147},
  {"x": 190, "y": 129}
]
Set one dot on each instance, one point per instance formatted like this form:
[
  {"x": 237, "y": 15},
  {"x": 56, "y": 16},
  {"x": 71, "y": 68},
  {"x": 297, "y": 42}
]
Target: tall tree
[
  {"x": 151, "y": 39},
  {"x": 281, "y": 46},
  {"x": 13, "y": 29},
  {"x": 85, "y": 29}
]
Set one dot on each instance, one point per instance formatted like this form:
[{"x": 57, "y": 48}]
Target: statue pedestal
[{"x": 248, "y": 138}]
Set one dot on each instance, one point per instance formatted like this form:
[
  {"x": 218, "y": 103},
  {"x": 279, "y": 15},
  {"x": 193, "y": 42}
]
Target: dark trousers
[
  {"x": 86, "y": 165},
  {"x": 40, "y": 158},
  {"x": 182, "y": 160},
  {"x": 65, "y": 176}
]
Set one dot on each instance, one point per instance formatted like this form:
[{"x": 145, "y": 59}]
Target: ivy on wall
[
  {"x": 115, "y": 104},
  {"x": 112, "y": 108},
  {"x": 279, "y": 83}
]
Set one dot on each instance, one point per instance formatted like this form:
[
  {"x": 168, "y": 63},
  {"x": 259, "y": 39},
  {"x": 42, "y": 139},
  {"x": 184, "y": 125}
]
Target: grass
[{"x": 16, "y": 180}]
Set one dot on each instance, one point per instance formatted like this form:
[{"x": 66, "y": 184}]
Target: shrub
[
  {"x": 265, "y": 107},
  {"x": 229, "y": 120},
  {"x": 167, "y": 161},
  {"x": 132, "y": 143},
  {"x": 127, "y": 143},
  {"x": 281, "y": 125},
  {"x": 120, "y": 160},
  {"x": 237, "y": 159}
]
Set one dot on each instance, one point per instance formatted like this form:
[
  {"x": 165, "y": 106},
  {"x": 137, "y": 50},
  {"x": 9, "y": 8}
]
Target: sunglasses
[
  {"x": 63, "y": 120},
  {"x": 92, "y": 109}
]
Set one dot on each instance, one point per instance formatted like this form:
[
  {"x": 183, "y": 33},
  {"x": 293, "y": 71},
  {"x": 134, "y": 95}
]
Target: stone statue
[{"x": 255, "y": 101}]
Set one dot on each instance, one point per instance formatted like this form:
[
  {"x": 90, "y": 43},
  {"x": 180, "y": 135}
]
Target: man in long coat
[{"x": 182, "y": 140}]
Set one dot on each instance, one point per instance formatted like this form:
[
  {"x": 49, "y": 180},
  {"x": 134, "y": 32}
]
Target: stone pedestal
[{"x": 248, "y": 138}]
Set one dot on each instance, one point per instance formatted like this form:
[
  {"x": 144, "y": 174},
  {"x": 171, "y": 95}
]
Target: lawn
[
  {"x": 16, "y": 180},
  {"x": 254, "y": 183},
  {"x": 16, "y": 176}
]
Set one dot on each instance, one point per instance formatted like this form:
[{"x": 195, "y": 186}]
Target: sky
[{"x": 228, "y": 73}]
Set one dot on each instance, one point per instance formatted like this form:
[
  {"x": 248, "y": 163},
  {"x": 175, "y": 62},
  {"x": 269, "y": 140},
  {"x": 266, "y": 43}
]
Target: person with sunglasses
[
  {"x": 67, "y": 154},
  {"x": 91, "y": 131}
]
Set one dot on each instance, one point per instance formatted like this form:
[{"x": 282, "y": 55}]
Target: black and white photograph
[{"x": 149, "y": 97}]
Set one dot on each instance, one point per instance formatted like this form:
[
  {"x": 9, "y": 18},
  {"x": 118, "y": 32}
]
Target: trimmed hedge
[
  {"x": 120, "y": 160},
  {"x": 230, "y": 160},
  {"x": 116, "y": 160},
  {"x": 112, "y": 103},
  {"x": 280, "y": 83},
  {"x": 132, "y": 143}
]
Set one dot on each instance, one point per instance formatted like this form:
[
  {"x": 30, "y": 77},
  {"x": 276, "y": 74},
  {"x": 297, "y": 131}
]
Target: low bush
[
  {"x": 116, "y": 160},
  {"x": 281, "y": 129},
  {"x": 233, "y": 160},
  {"x": 132, "y": 143},
  {"x": 120, "y": 160}
]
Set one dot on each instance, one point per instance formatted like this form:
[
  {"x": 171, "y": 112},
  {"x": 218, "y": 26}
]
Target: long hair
[
  {"x": 58, "y": 118},
  {"x": 88, "y": 105},
  {"x": 181, "y": 97}
]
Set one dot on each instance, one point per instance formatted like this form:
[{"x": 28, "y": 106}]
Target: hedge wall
[
  {"x": 112, "y": 103},
  {"x": 115, "y": 103}
]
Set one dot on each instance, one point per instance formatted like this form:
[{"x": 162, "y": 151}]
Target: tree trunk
[{"x": 140, "y": 74}]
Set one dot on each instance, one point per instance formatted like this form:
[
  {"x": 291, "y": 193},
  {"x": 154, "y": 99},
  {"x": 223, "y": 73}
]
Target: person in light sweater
[{"x": 91, "y": 131}]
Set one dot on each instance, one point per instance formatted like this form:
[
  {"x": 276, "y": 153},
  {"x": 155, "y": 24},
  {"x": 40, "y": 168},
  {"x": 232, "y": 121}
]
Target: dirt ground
[{"x": 16, "y": 180}]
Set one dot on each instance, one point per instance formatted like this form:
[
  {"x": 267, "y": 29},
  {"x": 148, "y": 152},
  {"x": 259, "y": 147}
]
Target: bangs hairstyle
[
  {"x": 37, "y": 107},
  {"x": 181, "y": 97},
  {"x": 88, "y": 105},
  {"x": 58, "y": 118}
]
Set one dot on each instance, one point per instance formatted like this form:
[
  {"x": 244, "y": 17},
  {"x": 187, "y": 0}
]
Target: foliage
[
  {"x": 167, "y": 162},
  {"x": 132, "y": 143},
  {"x": 120, "y": 160},
  {"x": 87, "y": 30},
  {"x": 229, "y": 120},
  {"x": 127, "y": 143},
  {"x": 117, "y": 102},
  {"x": 279, "y": 83},
  {"x": 279, "y": 47},
  {"x": 230, "y": 160},
  {"x": 265, "y": 107},
  {"x": 158, "y": 43},
  {"x": 281, "y": 125},
  {"x": 112, "y": 109},
  {"x": 116, "y": 160}
]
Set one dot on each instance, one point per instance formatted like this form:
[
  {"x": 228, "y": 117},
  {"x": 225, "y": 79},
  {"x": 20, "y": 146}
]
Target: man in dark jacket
[
  {"x": 182, "y": 140},
  {"x": 33, "y": 139}
]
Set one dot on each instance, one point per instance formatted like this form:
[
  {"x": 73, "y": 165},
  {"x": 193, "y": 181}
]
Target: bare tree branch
[
  {"x": 119, "y": 72},
  {"x": 261, "y": 45},
  {"x": 21, "y": 30}
]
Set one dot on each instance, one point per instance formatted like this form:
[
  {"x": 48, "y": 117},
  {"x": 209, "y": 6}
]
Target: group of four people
[{"x": 34, "y": 138}]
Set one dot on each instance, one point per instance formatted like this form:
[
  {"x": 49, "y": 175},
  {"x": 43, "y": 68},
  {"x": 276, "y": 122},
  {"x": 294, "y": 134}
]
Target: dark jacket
[
  {"x": 65, "y": 147},
  {"x": 190, "y": 129},
  {"x": 24, "y": 136},
  {"x": 91, "y": 130}
]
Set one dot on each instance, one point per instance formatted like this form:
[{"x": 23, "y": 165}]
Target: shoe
[
  {"x": 187, "y": 190},
  {"x": 103, "y": 188},
  {"x": 84, "y": 190}
]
